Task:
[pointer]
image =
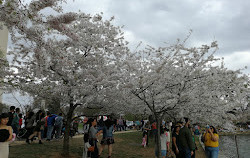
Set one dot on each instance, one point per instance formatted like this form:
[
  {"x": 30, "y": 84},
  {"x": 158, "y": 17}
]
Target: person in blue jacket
[{"x": 50, "y": 124}]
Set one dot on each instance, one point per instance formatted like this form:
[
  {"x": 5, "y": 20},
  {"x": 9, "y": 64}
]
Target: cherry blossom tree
[
  {"x": 73, "y": 56},
  {"x": 182, "y": 80}
]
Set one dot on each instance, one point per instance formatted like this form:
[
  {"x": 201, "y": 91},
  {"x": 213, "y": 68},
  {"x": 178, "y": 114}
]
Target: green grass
[{"x": 127, "y": 145}]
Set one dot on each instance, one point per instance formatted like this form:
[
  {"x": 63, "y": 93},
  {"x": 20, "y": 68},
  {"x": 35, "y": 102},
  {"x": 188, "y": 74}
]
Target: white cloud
[{"x": 238, "y": 60}]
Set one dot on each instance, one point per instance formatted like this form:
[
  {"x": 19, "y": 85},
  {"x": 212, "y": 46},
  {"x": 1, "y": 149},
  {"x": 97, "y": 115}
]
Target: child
[
  {"x": 166, "y": 131},
  {"x": 20, "y": 120},
  {"x": 164, "y": 147},
  {"x": 144, "y": 139}
]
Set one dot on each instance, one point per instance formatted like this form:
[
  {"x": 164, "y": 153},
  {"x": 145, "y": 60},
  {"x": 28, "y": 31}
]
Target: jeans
[
  {"x": 186, "y": 152},
  {"x": 58, "y": 130},
  {"x": 49, "y": 131},
  {"x": 212, "y": 152}
]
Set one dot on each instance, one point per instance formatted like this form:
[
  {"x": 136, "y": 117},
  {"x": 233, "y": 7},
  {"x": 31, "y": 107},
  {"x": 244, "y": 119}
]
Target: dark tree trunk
[
  {"x": 67, "y": 130},
  {"x": 158, "y": 140}
]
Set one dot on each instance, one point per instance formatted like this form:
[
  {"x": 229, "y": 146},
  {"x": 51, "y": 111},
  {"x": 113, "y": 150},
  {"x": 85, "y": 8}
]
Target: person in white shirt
[{"x": 164, "y": 140}]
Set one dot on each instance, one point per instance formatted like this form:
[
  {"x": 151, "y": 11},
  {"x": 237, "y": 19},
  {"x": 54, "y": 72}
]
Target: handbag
[{"x": 91, "y": 149}]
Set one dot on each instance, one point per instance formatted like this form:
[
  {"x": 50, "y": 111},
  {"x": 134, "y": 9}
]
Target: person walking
[
  {"x": 37, "y": 132},
  {"x": 211, "y": 142},
  {"x": 5, "y": 135},
  {"x": 58, "y": 125},
  {"x": 186, "y": 140},
  {"x": 107, "y": 138},
  {"x": 93, "y": 134}
]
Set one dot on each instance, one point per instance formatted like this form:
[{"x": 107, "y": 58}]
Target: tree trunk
[
  {"x": 158, "y": 140},
  {"x": 67, "y": 130}
]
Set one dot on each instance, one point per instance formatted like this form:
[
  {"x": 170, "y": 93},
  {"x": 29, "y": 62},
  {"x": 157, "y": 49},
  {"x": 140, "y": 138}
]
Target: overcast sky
[{"x": 157, "y": 21}]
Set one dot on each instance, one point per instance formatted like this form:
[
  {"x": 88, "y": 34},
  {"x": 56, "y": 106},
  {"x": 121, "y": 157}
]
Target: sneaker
[{"x": 40, "y": 142}]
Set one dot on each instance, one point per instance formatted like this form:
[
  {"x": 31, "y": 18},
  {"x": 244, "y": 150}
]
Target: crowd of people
[
  {"x": 183, "y": 139},
  {"x": 106, "y": 128},
  {"x": 41, "y": 125},
  {"x": 48, "y": 126}
]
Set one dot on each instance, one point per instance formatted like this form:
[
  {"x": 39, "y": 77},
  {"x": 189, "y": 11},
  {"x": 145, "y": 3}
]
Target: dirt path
[{"x": 200, "y": 153}]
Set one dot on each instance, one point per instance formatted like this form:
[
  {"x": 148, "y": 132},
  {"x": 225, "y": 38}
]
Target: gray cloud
[{"x": 158, "y": 21}]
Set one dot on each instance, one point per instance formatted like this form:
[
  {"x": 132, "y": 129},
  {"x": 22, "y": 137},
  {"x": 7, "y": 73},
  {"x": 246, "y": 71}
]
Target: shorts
[
  {"x": 163, "y": 152},
  {"x": 107, "y": 141}
]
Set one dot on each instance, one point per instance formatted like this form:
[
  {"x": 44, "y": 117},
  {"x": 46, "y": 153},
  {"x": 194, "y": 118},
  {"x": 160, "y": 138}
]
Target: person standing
[
  {"x": 11, "y": 114},
  {"x": 176, "y": 141},
  {"x": 5, "y": 135},
  {"x": 186, "y": 140},
  {"x": 211, "y": 142},
  {"x": 58, "y": 125},
  {"x": 30, "y": 119},
  {"x": 45, "y": 125},
  {"x": 108, "y": 138},
  {"x": 50, "y": 125},
  {"x": 15, "y": 121},
  {"x": 142, "y": 124},
  {"x": 93, "y": 138},
  {"x": 124, "y": 124},
  {"x": 20, "y": 120},
  {"x": 192, "y": 132},
  {"x": 154, "y": 130},
  {"x": 147, "y": 129},
  {"x": 43, "y": 119},
  {"x": 120, "y": 124},
  {"x": 164, "y": 147}
]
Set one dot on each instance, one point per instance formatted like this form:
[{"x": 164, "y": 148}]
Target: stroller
[{"x": 22, "y": 133}]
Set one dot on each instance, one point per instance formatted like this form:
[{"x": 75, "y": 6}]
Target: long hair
[
  {"x": 176, "y": 128},
  {"x": 31, "y": 113},
  {"x": 38, "y": 115},
  {"x": 215, "y": 131},
  {"x": 90, "y": 120},
  {"x": 108, "y": 123}
]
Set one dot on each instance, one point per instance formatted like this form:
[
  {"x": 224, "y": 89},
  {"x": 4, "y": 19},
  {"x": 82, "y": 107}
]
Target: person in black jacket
[
  {"x": 11, "y": 115},
  {"x": 186, "y": 140}
]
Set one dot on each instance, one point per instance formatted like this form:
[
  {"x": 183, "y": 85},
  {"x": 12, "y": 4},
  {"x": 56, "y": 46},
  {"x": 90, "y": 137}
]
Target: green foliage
[{"x": 134, "y": 117}]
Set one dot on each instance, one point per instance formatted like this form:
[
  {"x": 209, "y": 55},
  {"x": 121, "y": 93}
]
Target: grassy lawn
[{"x": 127, "y": 145}]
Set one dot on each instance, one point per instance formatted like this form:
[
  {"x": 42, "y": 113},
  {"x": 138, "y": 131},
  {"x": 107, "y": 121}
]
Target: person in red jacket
[{"x": 20, "y": 120}]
